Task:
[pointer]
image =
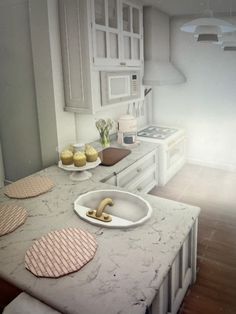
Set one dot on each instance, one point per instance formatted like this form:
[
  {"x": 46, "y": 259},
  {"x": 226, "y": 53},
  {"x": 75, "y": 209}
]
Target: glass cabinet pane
[
  {"x": 101, "y": 44},
  {"x": 112, "y": 12},
  {"x": 136, "y": 21},
  {"x": 136, "y": 49},
  {"x": 114, "y": 52},
  {"x": 127, "y": 47},
  {"x": 100, "y": 12},
  {"x": 126, "y": 17}
]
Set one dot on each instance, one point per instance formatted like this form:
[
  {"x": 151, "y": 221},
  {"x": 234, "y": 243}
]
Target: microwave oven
[{"x": 119, "y": 86}]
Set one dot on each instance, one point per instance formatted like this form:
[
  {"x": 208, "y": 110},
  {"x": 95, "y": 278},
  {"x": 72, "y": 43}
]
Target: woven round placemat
[
  {"x": 29, "y": 187},
  {"x": 11, "y": 217},
  {"x": 60, "y": 252}
]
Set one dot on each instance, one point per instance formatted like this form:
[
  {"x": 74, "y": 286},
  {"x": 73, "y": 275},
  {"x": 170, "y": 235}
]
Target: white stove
[
  {"x": 171, "y": 149},
  {"x": 157, "y": 132}
]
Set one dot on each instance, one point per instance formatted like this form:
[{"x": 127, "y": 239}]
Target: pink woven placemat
[
  {"x": 11, "y": 217},
  {"x": 60, "y": 252},
  {"x": 29, "y": 187}
]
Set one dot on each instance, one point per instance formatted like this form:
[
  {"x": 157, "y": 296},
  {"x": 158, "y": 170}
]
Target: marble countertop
[
  {"x": 102, "y": 173},
  {"x": 129, "y": 264}
]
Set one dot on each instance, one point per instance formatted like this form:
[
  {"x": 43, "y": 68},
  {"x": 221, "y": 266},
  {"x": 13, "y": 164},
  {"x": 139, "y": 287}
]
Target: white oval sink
[{"x": 129, "y": 210}]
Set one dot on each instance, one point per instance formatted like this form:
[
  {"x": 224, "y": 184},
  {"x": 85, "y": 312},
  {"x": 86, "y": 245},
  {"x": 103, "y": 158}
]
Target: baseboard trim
[{"x": 221, "y": 166}]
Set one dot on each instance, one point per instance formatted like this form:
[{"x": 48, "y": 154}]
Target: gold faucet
[
  {"x": 99, "y": 212},
  {"x": 103, "y": 204}
]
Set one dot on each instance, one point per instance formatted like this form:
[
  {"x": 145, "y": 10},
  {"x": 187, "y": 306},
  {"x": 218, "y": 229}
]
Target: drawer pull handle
[
  {"x": 123, "y": 63},
  {"x": 139, "y": 189},
  {"x": 139, "y": 170}
]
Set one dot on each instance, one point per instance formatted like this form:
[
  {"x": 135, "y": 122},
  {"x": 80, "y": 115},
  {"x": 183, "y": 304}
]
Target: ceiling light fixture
[
  {"x": 224, "y": 26},
  {"x": 208, "y": 29},
  {"x": 229, "y": 47},
  {"x": 228, "y": 42},
  {"x": 207, "y": 33}
]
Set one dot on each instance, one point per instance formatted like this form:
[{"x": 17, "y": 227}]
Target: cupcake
[
  {"x": 90, "y": 153},
  {"x": 67, "y": 157},
  {"x": 79, "y": 159}
]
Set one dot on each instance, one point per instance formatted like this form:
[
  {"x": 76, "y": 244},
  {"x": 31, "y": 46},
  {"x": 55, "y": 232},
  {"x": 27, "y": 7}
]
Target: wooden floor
[{"x": 215, "y": 192}]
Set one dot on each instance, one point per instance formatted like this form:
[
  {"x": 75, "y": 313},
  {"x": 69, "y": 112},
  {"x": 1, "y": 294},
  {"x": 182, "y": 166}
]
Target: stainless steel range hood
[{"x": 158, "y": 68}]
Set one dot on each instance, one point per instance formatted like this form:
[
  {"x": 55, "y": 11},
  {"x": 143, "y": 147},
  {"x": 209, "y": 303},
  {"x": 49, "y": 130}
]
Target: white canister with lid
[{"x": 79, "y": 147}]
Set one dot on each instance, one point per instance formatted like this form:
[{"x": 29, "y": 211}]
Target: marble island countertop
[{"x": 129, "y": 265}]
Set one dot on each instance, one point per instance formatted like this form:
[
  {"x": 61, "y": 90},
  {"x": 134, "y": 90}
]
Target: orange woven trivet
[
  {"x": 29, "y": 187},
  {"x": 11, "y": 217},
  {"x": 60, "y": 252}
]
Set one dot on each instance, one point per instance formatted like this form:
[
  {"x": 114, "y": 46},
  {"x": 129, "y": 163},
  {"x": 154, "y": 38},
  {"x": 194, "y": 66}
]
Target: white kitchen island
[{"x": 141, "y": 270}]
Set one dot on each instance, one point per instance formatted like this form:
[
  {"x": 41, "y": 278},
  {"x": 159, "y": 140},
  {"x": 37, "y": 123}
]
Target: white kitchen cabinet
[
  {"x": 117, "y": 28},
  {"x": 132, "y": 34},
  {"x": 181, "y": 275},
  {"x": 141, "y": 176},
  {"x": 91, "y": 40},
  {"x": 76, "y": 59}
]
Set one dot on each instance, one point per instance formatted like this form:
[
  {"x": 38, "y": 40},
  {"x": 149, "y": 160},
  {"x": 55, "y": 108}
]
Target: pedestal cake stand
[{"x": 80, "y": 173}]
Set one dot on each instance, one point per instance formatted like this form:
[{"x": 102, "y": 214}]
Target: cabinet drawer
[
  {"x": 144, "y": 183},
  {"x": 130, "y": 175}
]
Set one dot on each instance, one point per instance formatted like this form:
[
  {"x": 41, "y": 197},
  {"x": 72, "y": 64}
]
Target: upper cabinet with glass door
[
  {"x": 105, "y": 27},
  {"x": 117, "y": 33},
  {"x": 132, "y": 34}
]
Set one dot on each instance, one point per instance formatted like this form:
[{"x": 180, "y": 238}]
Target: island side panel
[{"x": 180, "y": 276}]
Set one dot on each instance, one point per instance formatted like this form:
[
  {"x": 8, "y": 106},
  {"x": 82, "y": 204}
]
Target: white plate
[{"x": 89, "y": 165}]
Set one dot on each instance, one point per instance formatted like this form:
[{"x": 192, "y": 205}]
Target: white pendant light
[
  {"x": 208, "y": 29},
  {"x": 207, "y": 33},
  {"x": 228, "y": 42},
  {"x": 223, "y": 26},
  {"x": 229, "y": 39},
  {"x": 231, "y": 46}
]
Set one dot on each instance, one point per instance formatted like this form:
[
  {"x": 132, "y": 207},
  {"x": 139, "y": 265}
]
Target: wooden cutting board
[{"x": 111, "y": 155}]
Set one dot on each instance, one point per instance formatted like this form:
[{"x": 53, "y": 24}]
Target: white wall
[
  {"x": 65, "y": 121},
  {"x": 57, "y": 127},
  {"x": 206, "y": 104},
  {"x": 19, "y": 130},
  {"x": 32, "y": 116},
  {"x": 43, "y": 80}
]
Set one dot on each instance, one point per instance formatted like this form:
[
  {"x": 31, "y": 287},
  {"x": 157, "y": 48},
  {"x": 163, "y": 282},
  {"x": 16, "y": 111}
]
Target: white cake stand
[{"x": 80, "y": 173}]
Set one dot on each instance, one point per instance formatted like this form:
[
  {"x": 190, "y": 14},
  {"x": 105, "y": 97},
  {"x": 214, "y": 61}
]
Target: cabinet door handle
[
  {"x": 139, "y": 189},
  {"x": 139, "y": 170},
  {"x": 123, "y": 63}
]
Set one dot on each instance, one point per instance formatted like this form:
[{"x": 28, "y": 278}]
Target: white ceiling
[{"x": 193, "y": 7}]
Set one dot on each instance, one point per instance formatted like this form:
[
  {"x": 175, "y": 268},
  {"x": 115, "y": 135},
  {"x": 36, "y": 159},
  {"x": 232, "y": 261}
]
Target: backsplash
[{"x": 85, "y": 124}]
